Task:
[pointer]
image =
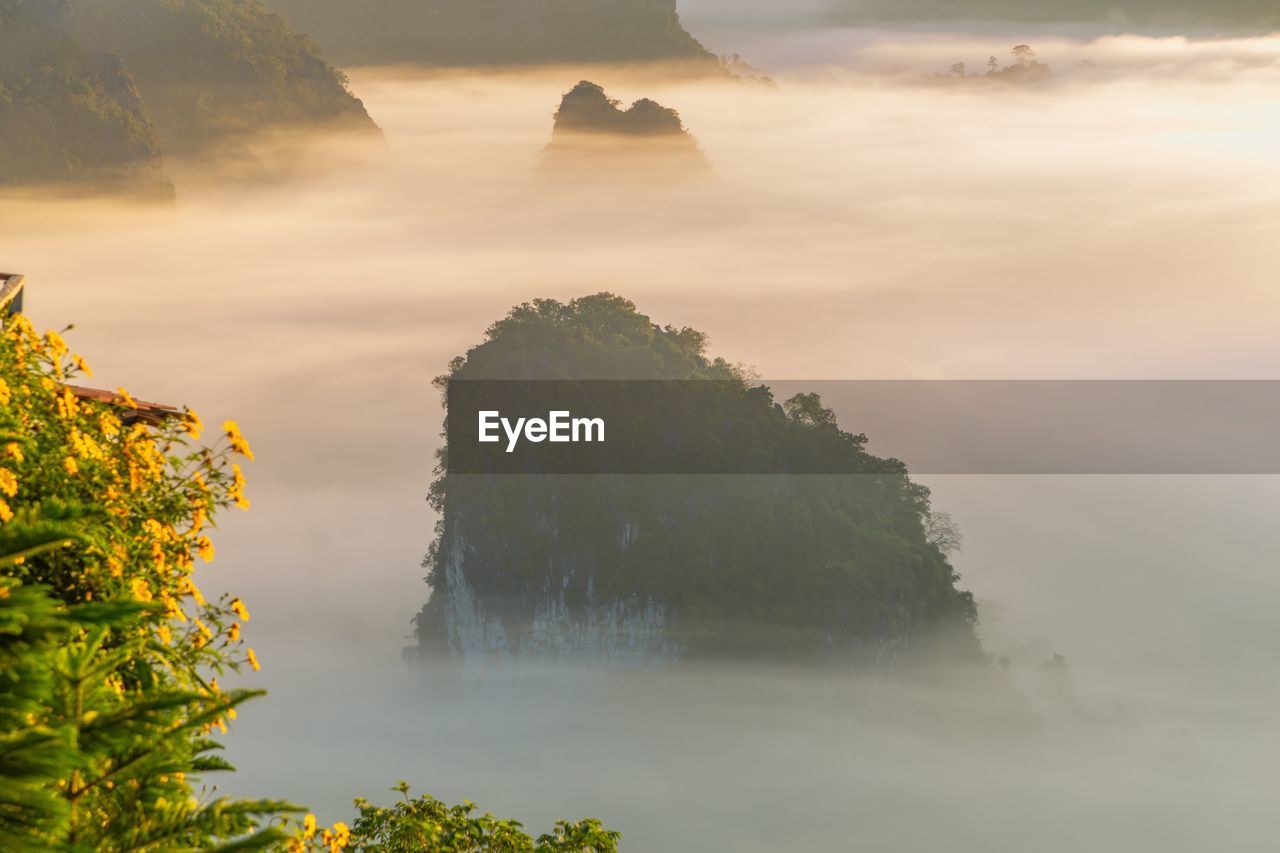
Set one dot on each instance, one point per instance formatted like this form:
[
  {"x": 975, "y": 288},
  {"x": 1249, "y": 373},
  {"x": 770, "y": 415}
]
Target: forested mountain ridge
[
  {"x": 213, "y": 69},
  {"x": 92, "y": 91},
  {"x": 495, "y": 32},
  {"x": 69, "y": 115},
  {"x": 638, "y": 570}
]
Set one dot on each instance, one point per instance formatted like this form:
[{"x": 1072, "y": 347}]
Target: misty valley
[{"x": 307, "y": 221}]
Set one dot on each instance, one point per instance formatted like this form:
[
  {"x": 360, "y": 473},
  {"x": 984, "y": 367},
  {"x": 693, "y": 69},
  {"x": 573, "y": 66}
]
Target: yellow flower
[
  {"x": 189, "y": 588},
  {"x": 236, "y": 491},
  {"x": 233, "y": 633},
  {"x": 109, "y": 424},
  {"x": 238, "y": 606},
  {"x": 253, "y": 660},
  {"x": 193, "y": 425},
  {"x": 173, "y": 609},
  {"x": 309, "y": 827},
  {"x": 8, "y": 482},
  {"x": 342, "y": 835},
  {"x": 79, "y": 362},
  {"x": 70, "y": 464},
  {"x": 126, "y": 398},
  {"x": 4, "y": 392},
  {"x": 163, "y": 632},
  {"x": 86, "y": 446},
  {"x": 238, "y": 443},
  {"x": 57, "y": 346},
  {"x": 204, "y": 547},
  {"x": 6, "y": 514},
  {"x": 68, "y": 404},
  {"x": 12, "y": 450},
  {"x": 141, "y": 591}
]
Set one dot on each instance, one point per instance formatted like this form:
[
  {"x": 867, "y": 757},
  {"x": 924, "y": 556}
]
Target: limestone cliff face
[{"x": 545, "y": 623}]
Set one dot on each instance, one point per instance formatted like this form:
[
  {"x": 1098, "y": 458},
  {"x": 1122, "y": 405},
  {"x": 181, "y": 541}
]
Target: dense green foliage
[
  {"x": 110, "y": 655},
  {"x": 495, "y": 32},
  {"x": 766, "y": 565},
  {"x": 1254, "y": 14},
  {"x": 213, "y": 69},
  {"x": 425, "y": 823},
  {"x": 85, "y": 766},
  {"x": 68, "y": 115}
]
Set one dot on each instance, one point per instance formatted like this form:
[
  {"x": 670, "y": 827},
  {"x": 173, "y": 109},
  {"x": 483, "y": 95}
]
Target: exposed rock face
[
  {"x": 592, "y": 128},
  {"x": 625, "y": 632}
]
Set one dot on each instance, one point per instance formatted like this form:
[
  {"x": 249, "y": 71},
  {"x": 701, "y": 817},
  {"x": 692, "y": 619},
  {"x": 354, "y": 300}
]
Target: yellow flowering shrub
[
  {"x": 110, "y": 654},
  {"x": 157, "y": 491}
]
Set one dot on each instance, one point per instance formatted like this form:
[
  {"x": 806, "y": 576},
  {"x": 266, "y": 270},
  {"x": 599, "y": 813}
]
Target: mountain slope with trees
[
  {"x": 69, "y": 115},
  {"x": 210, "y": 70},
  {"x": 495, "y": 32},
  {"x": 92, "y": 91}
]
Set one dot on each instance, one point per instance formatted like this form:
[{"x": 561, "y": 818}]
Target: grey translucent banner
[{"x": 934, "y": 427}]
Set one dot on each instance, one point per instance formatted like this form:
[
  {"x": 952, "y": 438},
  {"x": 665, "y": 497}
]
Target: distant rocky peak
[{"x": 586, "y": 108}]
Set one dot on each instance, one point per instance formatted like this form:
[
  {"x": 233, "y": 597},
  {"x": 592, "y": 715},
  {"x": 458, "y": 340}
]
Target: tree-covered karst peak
[
  {"x": 498, "y": 32},
  {"x": 69, "y": 114},
  {"x": 587, "y": 109},
  {"x": 642, "y": 570},
  {"x": 592, "y": 128}
]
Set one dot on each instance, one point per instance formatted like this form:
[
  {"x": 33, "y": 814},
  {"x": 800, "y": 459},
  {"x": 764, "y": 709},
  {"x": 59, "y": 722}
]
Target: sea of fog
[{"x": 1119, "y": 222}]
